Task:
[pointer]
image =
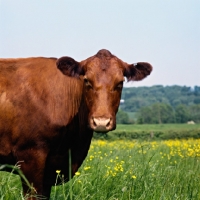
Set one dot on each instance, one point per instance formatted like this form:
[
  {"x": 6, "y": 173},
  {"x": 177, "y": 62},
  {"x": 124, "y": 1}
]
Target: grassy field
[
  {"x": 157, "y": 127},
  {"x": 125, "y": 170},
  {"x": 152, "y": 132}
]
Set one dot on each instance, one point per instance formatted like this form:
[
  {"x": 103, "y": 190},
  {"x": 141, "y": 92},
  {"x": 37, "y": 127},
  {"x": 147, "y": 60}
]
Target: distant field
[
  {"x": 152, "y": 131},
  {"x": 156, "y": 127}
]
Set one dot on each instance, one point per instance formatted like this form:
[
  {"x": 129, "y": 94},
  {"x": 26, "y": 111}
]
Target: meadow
[
  {"x": 152, "y": 132},
  {"x": 157, "y": 127},
  {"x": 128, "y": 169}
]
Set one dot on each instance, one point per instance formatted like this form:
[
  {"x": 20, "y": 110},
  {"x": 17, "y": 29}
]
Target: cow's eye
[
  {"x": 87, "y": 83},
  {"x": 119, "y": 85}
]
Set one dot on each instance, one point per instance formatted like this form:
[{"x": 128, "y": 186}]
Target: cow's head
[{"x": 103, "y": 76}]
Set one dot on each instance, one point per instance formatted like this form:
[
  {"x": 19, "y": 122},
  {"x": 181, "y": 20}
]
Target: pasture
[
  {"x": 153, "y": 132},
  {"x": 125, "y": 170},
  {"x": 157, "y": 127}
]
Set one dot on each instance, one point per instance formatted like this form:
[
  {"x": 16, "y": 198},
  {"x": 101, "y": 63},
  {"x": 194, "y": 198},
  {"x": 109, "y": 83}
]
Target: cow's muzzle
[{"x": 101, "y": 124}]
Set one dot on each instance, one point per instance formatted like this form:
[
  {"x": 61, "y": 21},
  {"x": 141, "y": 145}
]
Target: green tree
[
  {"x": 138, "y": 97},
  {"x": 122, "y": 117},
  {"x": 182, "y": 113},
  {"x": 195, "y": 113},
  {"x": 144, "y": 116},
  {"x": 156, "y": 114},
  {"x": 163, "y": 113}
]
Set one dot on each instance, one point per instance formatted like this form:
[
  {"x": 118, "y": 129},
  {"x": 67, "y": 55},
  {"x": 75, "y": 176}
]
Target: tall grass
[
  {"x": 131, "y": 170},
  {"x": 10, "y": 184},
  {"x": 10, "y": 187},
  {"x": 125, "y": 170}
]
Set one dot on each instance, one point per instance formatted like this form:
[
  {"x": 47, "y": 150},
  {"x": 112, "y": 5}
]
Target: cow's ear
[
  {"x": 69, "y": 67},
  {"x": 137, "y": 71}
]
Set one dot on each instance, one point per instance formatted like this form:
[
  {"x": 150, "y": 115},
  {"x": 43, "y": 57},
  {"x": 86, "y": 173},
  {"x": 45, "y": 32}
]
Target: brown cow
[{"x": 49, "y": 105}]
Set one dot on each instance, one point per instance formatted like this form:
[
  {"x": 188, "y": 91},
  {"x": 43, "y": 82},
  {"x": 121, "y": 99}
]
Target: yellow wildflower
[
  {"x": 86, "y": 168},
  {"x": 134, "y": 177},
  {"x": 77, "y": 173}
]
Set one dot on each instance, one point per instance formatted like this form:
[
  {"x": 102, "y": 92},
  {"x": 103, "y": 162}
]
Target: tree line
[{"x": 159, "y": 104}]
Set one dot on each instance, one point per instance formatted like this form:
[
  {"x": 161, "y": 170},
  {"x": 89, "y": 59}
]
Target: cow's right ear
[
  {"x": 69, "y": 67},
  {"x": 138, "y": 71}
]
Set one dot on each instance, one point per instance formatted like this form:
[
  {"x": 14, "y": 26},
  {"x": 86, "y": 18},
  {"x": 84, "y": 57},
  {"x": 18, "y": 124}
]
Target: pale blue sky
[{"x": 165, "y": 33}]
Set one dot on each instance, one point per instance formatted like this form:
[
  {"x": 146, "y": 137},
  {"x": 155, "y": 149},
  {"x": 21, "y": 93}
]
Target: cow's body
[
  {"x": 44, "y": 113},
  {"x": 36, "y": 104}
]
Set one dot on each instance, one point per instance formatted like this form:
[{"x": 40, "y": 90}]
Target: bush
[{"x": 147, "y": 135}]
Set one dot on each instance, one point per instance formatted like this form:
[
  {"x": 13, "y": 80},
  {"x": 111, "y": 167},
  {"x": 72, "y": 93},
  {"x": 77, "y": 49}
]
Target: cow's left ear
[
  {"x": 137, "y": 71},
  {"x": 69, "y": 67}
]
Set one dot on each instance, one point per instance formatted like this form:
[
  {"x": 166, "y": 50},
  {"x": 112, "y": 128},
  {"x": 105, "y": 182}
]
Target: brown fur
[
  {"x": 36, "y": 103},
  {"x": 44, "y": 111}
]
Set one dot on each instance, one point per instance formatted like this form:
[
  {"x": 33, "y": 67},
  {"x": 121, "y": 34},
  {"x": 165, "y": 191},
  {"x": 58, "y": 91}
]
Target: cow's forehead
[
  {"x": 107, "y": 65},
  {"x": 104, "y": 70}
]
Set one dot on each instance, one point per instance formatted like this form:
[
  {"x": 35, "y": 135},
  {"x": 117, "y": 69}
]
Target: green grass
[
  {"x": 125, "y": 170},
  {"x": 152, "y": 132},
  {"x": 10, "y": 186},
  {"x": 130, "y": 170},
  {"x": 157, "y": 127}
]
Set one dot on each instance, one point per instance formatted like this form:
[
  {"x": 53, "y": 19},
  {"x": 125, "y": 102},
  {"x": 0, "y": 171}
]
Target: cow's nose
[{"x": 102, "y": 124}]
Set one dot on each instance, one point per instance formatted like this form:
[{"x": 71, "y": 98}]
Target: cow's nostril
[
  {"x": 101, "y": 124},
  {"x": 108, "y": 123},
  {"x": 94, "y": 123}
]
